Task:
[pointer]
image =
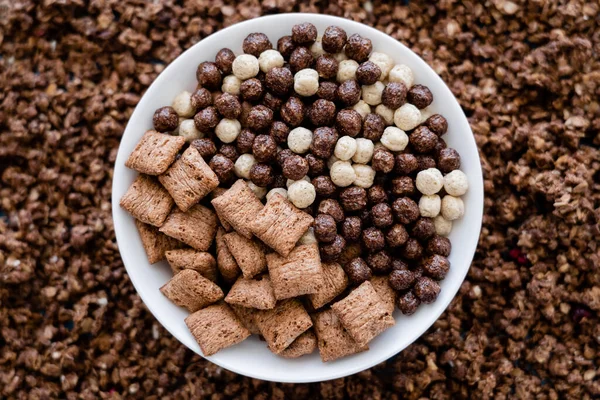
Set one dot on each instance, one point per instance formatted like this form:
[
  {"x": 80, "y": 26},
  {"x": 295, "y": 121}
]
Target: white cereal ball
[
  {"x": 456, "y": 183},
  {"x": 231, "y": 84},
  {"x": 342, "y": 174},
  {"x": 188, "y": 130},
  {"x": 299, "y": 140},
  {"x": 280, "y": 191},
  {"x": 364, "y": 151},
  {"x": 407, "y": 117},
  {"x": 332, "y": 160},
  {"x": 182, "y": 104},
  {"x": 289, "y": 182},
  {"x": 429, "y": 206},
  {"x": 429, "y": 181},
  {"x": 347, "y": 70},
  {"x": 362, "y": 108},
  {"x": 270, "y": 59},
  {"x": 306, "y": 82},
  {"x": 339, "y": 57},
  {"x": 245, "y": 66},
  {"x": 308, "y": 237},
  {"x": 301, "y": 193},
  {"x": 260, "y": 192},
  {"x": 317, "y": 47},
  {"x": 227, "y": 130},
  {"x": 384, "y": 62},
  {"x": 452, "y": 207},
  {"x": 395, "y": 139},
  {"x": 371, "y": 94},
  {"x": 443, "y": 227},
  {"x": 386, "y": 113},
  {"x": 402, "y": 73},
  {"x": 345, "y": 148},
  {"x": 365, "y": 175},
  {"x": 243, "y": 165}
]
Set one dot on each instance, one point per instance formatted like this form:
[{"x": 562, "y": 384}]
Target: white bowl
[{"x": 251, "y": 357}]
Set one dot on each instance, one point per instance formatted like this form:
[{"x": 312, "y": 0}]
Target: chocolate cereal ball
[
  {"x": 209, "y": 76},
  {"x": 358, "y": 48},
  {"x": 396, "y": 236},
  {"x": 354, "y": 198},
  {"x": 403, "y": 186},
  {"x": 294, "y": 167},
  {"x": 292, "y": 112},
  {"x": 251, "y": 90},
  {"x": 323, "y": 186},
  {"x": 201, "y": 98},
  {"x": 381, "y": 215},
  {"x": 380, "y": 262},
  {"x": 205, "y": 147},
  {"x": 285, "y": 45},
  {"x": 399, "y": 265},
  {"x": 325, "y": 228},
  {"x": 206, "y": 119},
  {"x": 437, "y": 124},
  {"x": 405, "y": 210},
  {"x": 423, "y": 140},
  {"x": 332, "y": 251},
  {"x": 408, "y": 303},
  {"x": 412, "y": 249},
  {"x": 222, "y": 167},
  {"x": 377, "y": 194},
  {"x": 279, "y": 80},
  {"x": 304, "y": 33},
  {"x": 279, "y": 181},
  {"x": 264, "y": 148},
  {"x": 373, "y": 239},
  {"x": 228, "y": 106},
  {"x": 259, "y": 118},
  {"x": 368, "y": 73},
  {"x": 256, "y": 43},
  {"x": 271, "y": 101},
  {"x": 436, "y": 266},
  {"x": 333, "y": 208},
  {"x": 224, "y": 60},
  {"x": 229, "y": 151},
  {"x": 373, "y": 127},
  {"x": 327, "y": 90},
  {"x": 323, "y": 141},
  {"x": 165, "y": 119},
  {"x": 261, "y": 174},
  {"x": 425, "y": 162},
  {"x": 420, "y": 96},
  {"x": 348, "y": 92},
  {"x": 423, "y": 229},
  {"x": 327, "y": 66},
  {"x": 439, "y": 245},
  {"x": 279, "y": 131},
  {"x": 322, "y": 113},
  {"x": 351, "y": 228},
  {"x": 405, "y": 164},
  {"x": 334, "y": 39},
  {"x": 358, "y": 271},
  {"x": 426, "y": 290},
  {"x": 316, "y": 166},
  {"x": 394, "y": 95},
  {"x": 383, "y": 161},
  {"x": 401, "y": 279},
  {"x": 282, "y": 155},
  {"x": 301, "y": 58},
  {"x": 448, "y": 160},
  {"x": 244, "y": 141},
  {"x": 348, "y": 122}
]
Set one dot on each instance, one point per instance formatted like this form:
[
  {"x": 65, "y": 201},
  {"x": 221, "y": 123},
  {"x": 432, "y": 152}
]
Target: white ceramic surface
[{"x": 251, "y": 357}]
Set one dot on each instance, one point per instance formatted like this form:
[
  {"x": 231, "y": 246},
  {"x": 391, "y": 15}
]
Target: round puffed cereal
[
  {"x": 402, "y": 73},
  {"x": 259, "y": 191},
  {"x": 384, "y": 62},
  {"x": 306, "y": 82},
  {"x": 365, "y": 175},
  {"x": 386, "y": 113},
  {"x": 429, "y": 181},
  {"x": 289, "y": 182},
  {"x": 342, "y": 173},
  {"x": 345, "y": 148},
  {"x": 227, "y": 130},
  {"x": 430, "y": 206},
  {"x": 182, "y": 104},
  {"x": 362, "y": 108},
  {"x": 346, "y": 70},
  {"x": 308, "y": 237},
  {"x": 364, "y": 151},
  {"x": 302, "y": 194},
  {"x": 280, "y": 191},
  {"x": 332, "y": 160},
  {"x": 231, "y": 85},
  {"x": 243, "y": 165},
  {"x": 452, "y": 207},
  {"x": 188, "y": 130},
  {"x": 299, "y": 140},
  {"x": 270, "y": 59},
  {"x": 317, "y": 47},
  {"x": 455, "y": 183},
  {"x": 245, "y": 66},
  {"x": 407, "y": 117},
  {"x": 395, "y": 139},
  {"x": 443, "y": 227},
  {"x": 371, "y": 94}
]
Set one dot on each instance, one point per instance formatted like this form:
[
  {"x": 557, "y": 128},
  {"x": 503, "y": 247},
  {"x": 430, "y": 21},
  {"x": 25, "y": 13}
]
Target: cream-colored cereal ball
[
  {"x": 308, "y": 237},
  {"x": 182, "y": 104},
  {"x": 289, "y": 182},
  {"x": 188, "y": 130},
  {"x": 364, "y": 151},
  {"x": 279, "y": 191},
  {"x": 443, "y": 227},
  {"x": 270, "y": 59},
  {"x": 245, "y": 66},
  {"x": 395, "y": 139},
  {"x": 429, "y": 206},
  {"x": 342, "y": 174},
  {"x": 456, "y": 183},
  {"x": 332, "y": 160},
  {"x": 365, "y": 175},
  {"x": 227, "y": 130},
  {"x": 306, "y": 82},
  {"x": 429, "y": 181},
  {"x": 371, "y": 94},
  {"x": 243, "y": 165},
  {"x": 426, "y": 113},
  {"x": 231, "y": 84},
  {"x": 317, "y": 47},
  {"x": 339, "y": 57},
  {"x": 452, "y": 207},
  {"x": 384, "y": 62},
  {"x": 362, "y": 108},
  {"x": 301, "y": 193},
  {"x": 260, "y": 192},
  {"x": 386, "y": 113},
  {"x": 402, "y": 73},
  {"x": 345, "y": 148},
  {"x": 347, "y": 70},
  {"x": 299, "y": 140},
  {"x": 407, "y": 117}
]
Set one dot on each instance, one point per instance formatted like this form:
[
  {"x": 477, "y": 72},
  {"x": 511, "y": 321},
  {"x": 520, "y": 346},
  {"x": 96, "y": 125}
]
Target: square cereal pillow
[
  {"x": 146, "y": 200},
  {"x": 155, "y": 243},
  {"x": 239, "y": 206},
  {"x": 297, "y": 274},
  {"x": 283, "y": 324},
  {"x": 154, "y": 153},
  {"x": 196, "y": 227}
]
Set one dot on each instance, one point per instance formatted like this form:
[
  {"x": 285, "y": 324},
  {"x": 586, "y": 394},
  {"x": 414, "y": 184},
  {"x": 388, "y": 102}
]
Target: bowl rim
[{"x": 475, "y": 181}]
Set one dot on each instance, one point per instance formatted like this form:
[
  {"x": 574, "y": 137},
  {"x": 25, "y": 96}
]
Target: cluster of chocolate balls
[{"x": 345, "y": 134}]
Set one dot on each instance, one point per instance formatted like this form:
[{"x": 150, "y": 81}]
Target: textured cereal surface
[{"x": 525, "y": 323}]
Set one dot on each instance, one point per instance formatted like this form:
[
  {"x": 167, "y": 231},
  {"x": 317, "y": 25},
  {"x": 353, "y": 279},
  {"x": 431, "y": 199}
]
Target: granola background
[{"x": 526, "y": 321}]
